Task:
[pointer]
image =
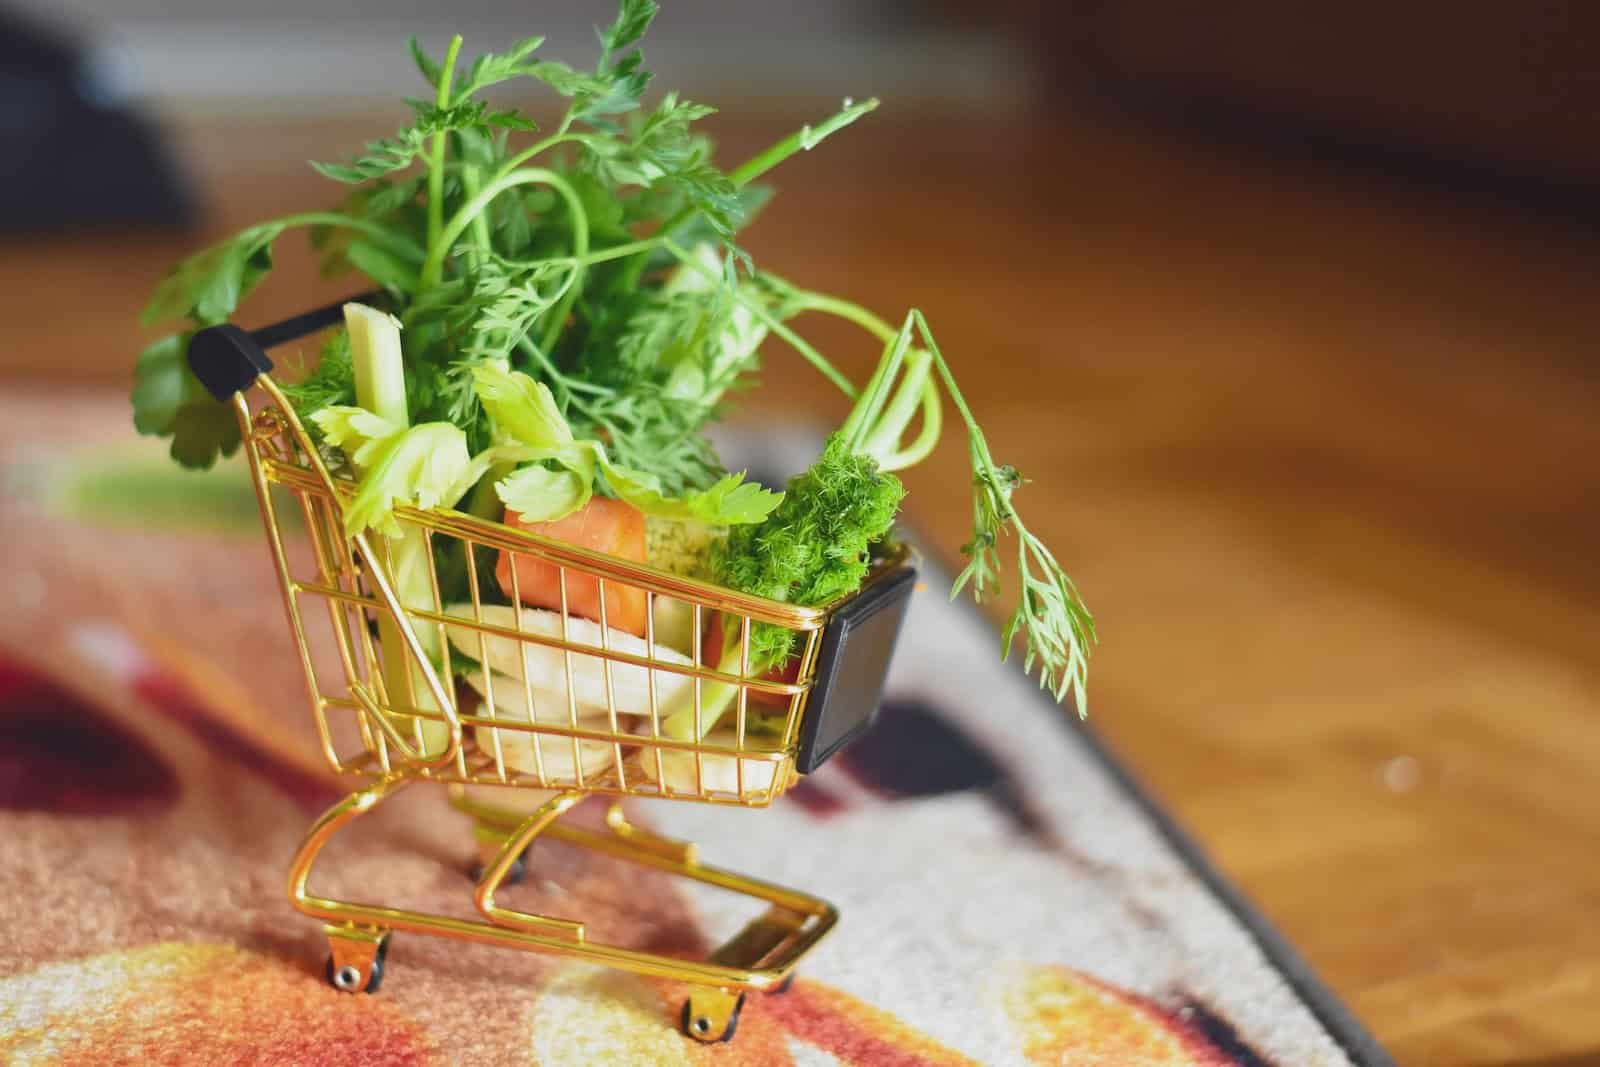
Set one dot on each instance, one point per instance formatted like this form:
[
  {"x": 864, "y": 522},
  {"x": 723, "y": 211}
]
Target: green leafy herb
[
  {"x": 576, "y": 311},
  {"x": 544, "y": 494},
  {"x": 161, "y": 385},
  {"x": 330, "y": 383},
  {"x": 522, "y": 409},
  {"x": 813, "y": 548},
  {"x": 730, "y": 501},
  {"x": 169, "y": 401},
  {"x": 208, "y": 286},
  {"x": 526, "y": 416},
  {"x": 422, "y": 466}
]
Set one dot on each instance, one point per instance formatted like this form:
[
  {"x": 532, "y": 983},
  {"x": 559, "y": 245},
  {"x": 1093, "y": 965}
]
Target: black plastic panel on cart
[
  {"x": 227, "y": 360},
  {"x": 852, "y": 667}
]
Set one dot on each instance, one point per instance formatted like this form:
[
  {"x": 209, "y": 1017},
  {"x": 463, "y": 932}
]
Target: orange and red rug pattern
[
  {"x": 1004, "y": 901},
  {"x": 74, "y": 777}
]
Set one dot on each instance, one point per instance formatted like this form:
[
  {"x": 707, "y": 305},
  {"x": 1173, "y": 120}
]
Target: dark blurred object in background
[{"x": 72, "y": 151}]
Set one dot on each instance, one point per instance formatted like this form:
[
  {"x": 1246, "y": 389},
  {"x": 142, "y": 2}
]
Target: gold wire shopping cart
[{"x": 577, "y": 708}]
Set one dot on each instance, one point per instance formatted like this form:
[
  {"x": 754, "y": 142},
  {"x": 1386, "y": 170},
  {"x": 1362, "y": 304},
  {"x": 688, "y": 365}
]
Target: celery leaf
[
  {"x": 543, "y": 494},
  {"x": 208, "y": 286}
]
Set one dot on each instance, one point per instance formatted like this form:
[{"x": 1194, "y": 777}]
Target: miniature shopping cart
[{"x": 383, "y": 670}]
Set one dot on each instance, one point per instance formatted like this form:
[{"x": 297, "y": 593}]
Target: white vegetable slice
[
  {"x": 720, "y": 774},
  {"x": 545, "y": 666},
  {"x": 517, "y": 746}
]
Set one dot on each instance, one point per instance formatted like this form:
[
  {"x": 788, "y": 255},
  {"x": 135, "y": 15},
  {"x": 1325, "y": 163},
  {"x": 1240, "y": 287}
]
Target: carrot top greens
[{"x": 575, "y": 308}]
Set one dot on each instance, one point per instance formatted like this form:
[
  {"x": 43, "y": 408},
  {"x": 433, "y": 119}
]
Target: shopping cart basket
[{"x": 557, "y": 712}]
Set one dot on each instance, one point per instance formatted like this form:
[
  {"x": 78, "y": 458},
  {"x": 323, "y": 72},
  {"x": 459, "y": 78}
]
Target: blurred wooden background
[
  {"x": 1509, "y": 89},
  {"x": 1320, "y": 445}
]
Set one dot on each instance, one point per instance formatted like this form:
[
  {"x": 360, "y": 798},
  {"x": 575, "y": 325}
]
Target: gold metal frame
[{"x": 427, "y": 733}]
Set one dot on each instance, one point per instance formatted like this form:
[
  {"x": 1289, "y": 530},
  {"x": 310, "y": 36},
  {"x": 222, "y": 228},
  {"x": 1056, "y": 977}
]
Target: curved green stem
[
  {"x": 471, "y": 183},
  {"x": 599, "y": 255},
  {"x": 580, "y": 252},
  {"x": 885, "y": 410},
  {"x": 768, "y": 319},
  {"x": 881, "y": 427},
  {"x": 566, "y": 389},
  {"x": 436, "y": 152},
  {"x": 621, "y": 251},
  {"x": 433, "y": 266},
  {"x": 377, "y": 232},
  {"x": 803, "y": 139},
  {"x": 538, "y": 147},
  {"x": 883, "y": 433},
  {"x": 917, "y": 391},
  {"x": 805, "y": 300},
  {"x": 932, "y": 426},
  {"x": 951, "y": 389},
  {"x": 864, "y": 416}
]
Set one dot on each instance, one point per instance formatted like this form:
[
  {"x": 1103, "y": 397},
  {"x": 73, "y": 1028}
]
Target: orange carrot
[{"x": 602, "y": 525}]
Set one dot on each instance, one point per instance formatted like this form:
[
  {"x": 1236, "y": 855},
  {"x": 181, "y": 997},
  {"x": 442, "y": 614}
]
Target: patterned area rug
[{"x": 1008, "y": 896}]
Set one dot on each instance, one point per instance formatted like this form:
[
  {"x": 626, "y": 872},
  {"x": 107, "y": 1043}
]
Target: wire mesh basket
[{"x": 485, "y": 690}]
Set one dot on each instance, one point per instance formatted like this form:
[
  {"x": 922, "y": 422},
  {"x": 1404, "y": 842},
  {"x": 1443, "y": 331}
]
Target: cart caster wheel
[
  {"x": 518, "y": 871},
  {"x": 711, "y": 1015},
  {"x": 347, "y": 977}
]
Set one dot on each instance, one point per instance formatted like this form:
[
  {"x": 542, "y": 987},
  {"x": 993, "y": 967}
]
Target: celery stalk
[
  {"x": 380, "y": 384},
  {"x": 375, "y": 359},
  {"x": 715, "y": 698}
]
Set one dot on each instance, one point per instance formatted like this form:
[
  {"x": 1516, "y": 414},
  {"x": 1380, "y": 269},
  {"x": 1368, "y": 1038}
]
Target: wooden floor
[{"x": 1323, "y": 451}]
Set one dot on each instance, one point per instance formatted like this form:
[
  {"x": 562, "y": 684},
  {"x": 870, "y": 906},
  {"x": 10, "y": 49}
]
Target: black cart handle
[{"x": 228, "y": 360}]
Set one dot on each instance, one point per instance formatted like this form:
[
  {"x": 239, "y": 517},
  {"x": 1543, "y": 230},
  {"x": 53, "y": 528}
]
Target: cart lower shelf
[{"x": 761, "y": 957}]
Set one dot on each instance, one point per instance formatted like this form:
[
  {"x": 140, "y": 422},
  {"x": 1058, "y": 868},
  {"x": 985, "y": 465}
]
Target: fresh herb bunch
[
  {"x": 592, "y": 269},
  {"x": 522, "y": 253},
  {"x": 814, "y": 546}
]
